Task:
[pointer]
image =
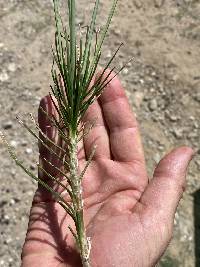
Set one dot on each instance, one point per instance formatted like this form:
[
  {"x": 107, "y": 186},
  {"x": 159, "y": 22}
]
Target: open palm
[{"x": 128, "y": 219}]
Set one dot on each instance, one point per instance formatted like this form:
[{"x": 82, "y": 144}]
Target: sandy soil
[{"x": 163, "y": 85}]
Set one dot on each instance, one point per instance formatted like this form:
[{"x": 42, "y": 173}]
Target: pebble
[
  {"x": 138, "y": 4},
  {"x": 14, "y": 143},
  {"x": 198, "y": 164},
  {"x": 161, "y": 147},
  {"x": 196, "y": 125},
  {"x": 12, "y": 67},
  {"x": 153, "y": 104},
  {"x": 178, "y": 133},
  {"x": 141, "y": 81},
  {"x": 156, "y": 157},
  {"x": 32, "y": 167},
  {"x": 176, "y": 218},
  {"x": 4, "y": 76},
  {"x": 185, "y": 100},
  {"x": 152, "y": 90},
  {"x": 2, "y": 263},
  {"x": 6, "y": 219},
  {"x": 125, "y": 71},
  {"x": 10, "y": 261},
  {"x": 158, "y": 3},
  {"x": 138, "y": 98},
  {"x": 29, "y": 151},
  {"x": 117, "y": 31},
  {"x": 153, "y": 74},
  {"x": 147, "y": 97},
  {"x": 7, "y": 125},
  {"x": 24, "y": 143},
  {"x": 17, "y": 238},
  {"x": 12, "y": 202},
  {"x": 8, "y": 240},
  {"x": 171, "y": 117},
  {"x": 108, "y": 54},
  {"x": 13, "y": 172}
]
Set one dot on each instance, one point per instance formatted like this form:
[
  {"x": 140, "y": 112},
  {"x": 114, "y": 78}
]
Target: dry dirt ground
[{"x": 162, "y": 83}]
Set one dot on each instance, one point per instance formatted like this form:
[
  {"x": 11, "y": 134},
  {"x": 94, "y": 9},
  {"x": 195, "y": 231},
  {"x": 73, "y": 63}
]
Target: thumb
[{"x": 168, "y": 184}]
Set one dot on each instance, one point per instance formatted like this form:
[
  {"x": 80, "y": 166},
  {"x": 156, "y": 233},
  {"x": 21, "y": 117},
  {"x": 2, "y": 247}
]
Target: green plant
[{"x": 75, "y": 62}]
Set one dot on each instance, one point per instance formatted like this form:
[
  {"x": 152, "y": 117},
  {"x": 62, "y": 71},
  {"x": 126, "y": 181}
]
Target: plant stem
[{"x": 82, "y": 240}]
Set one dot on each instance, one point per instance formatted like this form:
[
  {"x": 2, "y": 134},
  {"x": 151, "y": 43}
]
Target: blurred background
[{"x": 162, "y": 83}]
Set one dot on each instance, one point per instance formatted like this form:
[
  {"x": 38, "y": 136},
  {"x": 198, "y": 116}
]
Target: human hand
[{"x": 129, "y": 220}]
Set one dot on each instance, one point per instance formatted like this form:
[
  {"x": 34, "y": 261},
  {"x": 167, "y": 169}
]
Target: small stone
[
  {"x": 156, "y": 157},
  {"x": 1, "y": 45},
  {"x": 12, "y": 202},
  {"x": 17, "y": 238},
  {"x": 125, "y": 71},
  {"x": 4, "y": 76},
  {"x": 147, "y": 97},
  {"x": 32, "y": 167},
  {"x": 158, "y": 3},
  {"x": 141, "y": 81},
  {"x": 29, "y": 151},
  {"x": 7, "y": 125},
  {"x": 178, "y": 133},
  {"x": 2, "y": 263},
  {"x": 173, "y": 118},
  {"x": 13, "y": 172},
  {"x": 175, "y": 78},
  {"x": 24, "y": 143},
  {"x": 117, "y": 31},
  {"x": 8, "y": 240},
  {"x": 185, "y": 100},
  {"x": 196, "y": 125},
  {"x": 161, "y": 147},
  {"x": 10, "y": 261},
  {"x": 192, "y": 118},
  {"x": 153, "y": 104},
  {"x": 138, "y": 4},
  {"x": 138, "y": 98},
  {"x": 152, "y": 90},
  {"x": 12, "y": 67},
  {"x": 14, "y": 143},
  {"x": 153, "y": 74},
  {"x": 6, "y": 219},
  {"x": 198, "y": 164},
  {"x": 176, "y": 218},
  {"x": 109, "y": 54}
]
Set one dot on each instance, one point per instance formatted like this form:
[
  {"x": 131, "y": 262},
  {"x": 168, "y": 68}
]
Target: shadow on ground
[{"x": 197, "y": 226}]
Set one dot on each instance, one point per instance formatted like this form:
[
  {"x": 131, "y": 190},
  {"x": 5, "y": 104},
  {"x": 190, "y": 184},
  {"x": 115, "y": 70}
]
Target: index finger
[{"x": 125, "y": 140}]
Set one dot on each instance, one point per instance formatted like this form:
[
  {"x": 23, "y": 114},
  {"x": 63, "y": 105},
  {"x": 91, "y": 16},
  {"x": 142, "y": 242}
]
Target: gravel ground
[{"x": 162, "y": 83}]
